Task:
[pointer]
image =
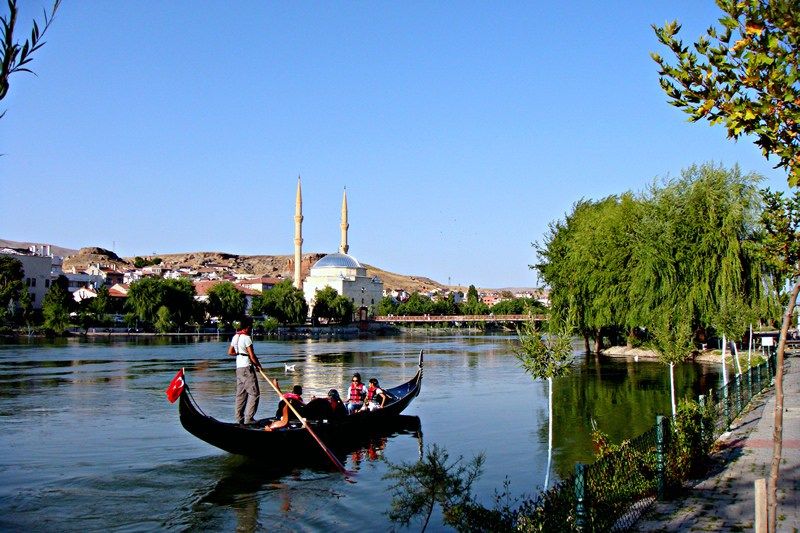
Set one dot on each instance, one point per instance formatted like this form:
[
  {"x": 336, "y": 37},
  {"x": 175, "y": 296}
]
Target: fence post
[
  {"x": 727, "y": 405},
  {"x": 738, "y": 393},
  {"x": 580, "y": 496},
  {"x": 660, "y": 462},
  {"x": 702, "y": 401}
]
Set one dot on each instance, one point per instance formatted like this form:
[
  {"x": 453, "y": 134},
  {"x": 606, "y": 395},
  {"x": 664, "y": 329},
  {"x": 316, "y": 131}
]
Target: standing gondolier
[{"x": 247, "y": 363}]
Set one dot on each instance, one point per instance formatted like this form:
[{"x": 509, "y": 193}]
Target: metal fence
[{"x": 612, "y": 493}]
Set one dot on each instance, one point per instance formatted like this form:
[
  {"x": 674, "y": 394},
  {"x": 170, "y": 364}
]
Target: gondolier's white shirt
[{"x": 240, "y": 343}]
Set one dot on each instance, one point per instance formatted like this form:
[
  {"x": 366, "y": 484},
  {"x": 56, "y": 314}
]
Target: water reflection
[
  {"x": 622, "y": 397},
  {"x": 243, "y": 483}
]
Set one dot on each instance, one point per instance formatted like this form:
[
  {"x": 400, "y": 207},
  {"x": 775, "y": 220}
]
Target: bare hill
[{"x": 276, "y": 266}]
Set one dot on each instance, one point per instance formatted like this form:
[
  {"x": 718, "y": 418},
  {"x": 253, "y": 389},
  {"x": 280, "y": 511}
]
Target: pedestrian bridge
[{"x": 416, "y": 319}]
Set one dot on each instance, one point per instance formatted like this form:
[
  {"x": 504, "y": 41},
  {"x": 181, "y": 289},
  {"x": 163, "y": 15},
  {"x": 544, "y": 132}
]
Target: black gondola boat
[{"x": 294, "y": 440}]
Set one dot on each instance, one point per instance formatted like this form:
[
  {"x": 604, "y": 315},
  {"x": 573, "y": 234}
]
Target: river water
[{"x": 88, "y": 441}]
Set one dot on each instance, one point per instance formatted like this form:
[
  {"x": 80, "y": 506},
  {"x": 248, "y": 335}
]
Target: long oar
[{"x": 332, "y": 457}]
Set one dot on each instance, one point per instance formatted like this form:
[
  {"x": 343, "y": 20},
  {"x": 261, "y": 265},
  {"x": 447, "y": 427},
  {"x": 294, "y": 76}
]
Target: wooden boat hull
[{"x": 295, "y": 441}]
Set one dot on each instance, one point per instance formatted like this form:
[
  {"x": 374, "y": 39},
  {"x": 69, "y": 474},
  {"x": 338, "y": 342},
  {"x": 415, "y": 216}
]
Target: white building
[
  {"x": 37, "y": 269},
  {"x": 345, "y": 274}
]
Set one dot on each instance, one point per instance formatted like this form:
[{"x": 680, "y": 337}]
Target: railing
[
  {"x": 612, "y": 493},
  {"x": 459, "y": 318}
]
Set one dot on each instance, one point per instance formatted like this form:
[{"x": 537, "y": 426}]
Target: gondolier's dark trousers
[{"x": 247, "y": 394}]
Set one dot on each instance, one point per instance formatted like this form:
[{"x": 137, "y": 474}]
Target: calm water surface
[{"x": 89, "y": 441}]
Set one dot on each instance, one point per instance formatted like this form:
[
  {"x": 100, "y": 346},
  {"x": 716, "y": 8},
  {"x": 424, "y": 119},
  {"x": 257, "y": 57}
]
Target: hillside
[{"x": 263, "y": 265}]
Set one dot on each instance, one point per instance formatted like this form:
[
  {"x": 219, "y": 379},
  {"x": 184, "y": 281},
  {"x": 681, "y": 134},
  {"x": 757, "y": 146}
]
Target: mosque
[{"x": 340, "y": 270}]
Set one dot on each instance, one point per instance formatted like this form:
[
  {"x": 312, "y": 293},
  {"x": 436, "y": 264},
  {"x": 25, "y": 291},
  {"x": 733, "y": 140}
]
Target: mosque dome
[{"x": 337, "y": 260}]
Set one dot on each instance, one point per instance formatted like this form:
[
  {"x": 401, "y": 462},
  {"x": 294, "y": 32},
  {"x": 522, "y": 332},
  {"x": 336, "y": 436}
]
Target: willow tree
[
  {"x": 698, "y": 244},
  {"x": 621, "y": 262},
  {"x": 583, "y": 260}
]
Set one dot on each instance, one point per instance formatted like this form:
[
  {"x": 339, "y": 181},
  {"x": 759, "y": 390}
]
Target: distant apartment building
[{"x": 37, "y": 273}]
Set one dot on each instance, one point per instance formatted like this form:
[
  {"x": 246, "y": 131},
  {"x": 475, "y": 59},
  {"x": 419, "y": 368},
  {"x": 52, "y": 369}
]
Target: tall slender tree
[{"x": 545, "y": 356}]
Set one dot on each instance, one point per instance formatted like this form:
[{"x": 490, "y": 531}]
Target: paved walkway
[{"x": 725, "y": 500}]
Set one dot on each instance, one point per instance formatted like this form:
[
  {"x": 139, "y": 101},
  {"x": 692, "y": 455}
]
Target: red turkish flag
[{"x": 175, "y": 387}]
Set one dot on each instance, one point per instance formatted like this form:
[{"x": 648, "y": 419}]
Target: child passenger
[{"x": 376, "y": 397}]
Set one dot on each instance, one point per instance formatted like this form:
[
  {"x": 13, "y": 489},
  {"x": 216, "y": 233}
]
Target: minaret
[
  {"x": 298, "y": 236},
  {"x": 343, "y": 247}
]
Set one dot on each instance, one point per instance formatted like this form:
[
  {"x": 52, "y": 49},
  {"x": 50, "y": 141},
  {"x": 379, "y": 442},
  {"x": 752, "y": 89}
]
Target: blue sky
[{"x": 460, "y": 129}]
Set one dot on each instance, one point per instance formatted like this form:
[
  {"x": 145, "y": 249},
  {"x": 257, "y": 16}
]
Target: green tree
[
  {"x": 330, "y": 305},
  {"x": 744, "y": 75},
  {"x": 781, "y": 219},
  {"x": 672, "y": 337},
  {"x": 145, "y": 296},
  {"x": 416, "y": 305},
  {"x": 343, "y": 309},
  {"x": 545, "y": 357},
  {"x": 56, "y": 306},
  {"x": 472, "y": 295},
  {"x": 16, "y": 56},
  {"x": 323, "y": 302},
  {"x": 445, "y": 306},
  {"x": 387, "y": 306},
  {"x": 11, "y": 287},
  {"x": 179, "y": 298},
  {"x": 226, "y": 302},
  {"x": 164, "y": 322},
  {"x": 620, "y": 263},
  {"x": 285, "y": 302}
]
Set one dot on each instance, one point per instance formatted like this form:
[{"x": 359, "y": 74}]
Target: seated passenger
[
  {"x": 336, "y": 404},
  {"x": 356, "y": 394},
  {"x": 376, "y": 396},
  {"x": 327, "y": 408},
  {"x": 284, "y": 414}
]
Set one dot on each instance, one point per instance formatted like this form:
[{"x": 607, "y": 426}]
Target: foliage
[
  {"x": 56, "y": 306},
  {"x": 544, "y": 356},
  {"x": 141, "y": 262},
  {"x": 386, "y": 306},
  {"x": 147, "y": 295},
  {"x": 416, "y": 305},
  {"x": 16, "y": 56},
  {"x": 11, "y": 286},
  {"x": 164, "y": 322},
  {"x": 624, "y": 261},
  {"x": 472, "y": 295},
  {"x": 518, "y": 306},
  {"x": 672, "y": 337},
  {"x": 331, "y": 305},
  {"x": 226, "y": 302},
  {"x": 692, "y": 439},
  {"x": 270, "y": 324},
  {"x": 418, "y": 487},
  {"x": 284, "y": 302},
  {"x": 744, "y": 75},
  {"x": 781, "y": 220}
]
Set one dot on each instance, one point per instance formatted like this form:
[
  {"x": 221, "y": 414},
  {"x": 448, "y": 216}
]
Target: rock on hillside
[{"x": 84, "y": 257}]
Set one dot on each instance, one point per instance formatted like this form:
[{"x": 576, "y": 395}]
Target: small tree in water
[
  {"x": 545, "y": 357},
  {"x": 421, "y": 485}
]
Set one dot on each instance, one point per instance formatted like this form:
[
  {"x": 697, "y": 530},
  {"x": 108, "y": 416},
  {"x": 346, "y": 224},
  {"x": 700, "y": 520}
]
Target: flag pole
[{"x": 330, "y": 455}]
